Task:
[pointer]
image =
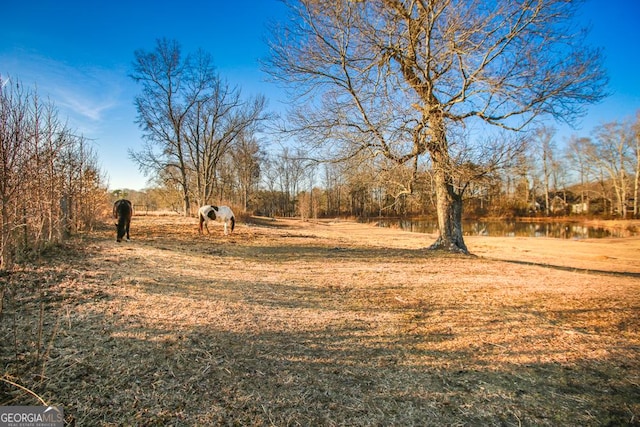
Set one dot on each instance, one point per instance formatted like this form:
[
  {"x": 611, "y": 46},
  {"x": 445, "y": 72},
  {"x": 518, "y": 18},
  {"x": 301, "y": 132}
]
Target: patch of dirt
[{"x": 323, "y": 323}]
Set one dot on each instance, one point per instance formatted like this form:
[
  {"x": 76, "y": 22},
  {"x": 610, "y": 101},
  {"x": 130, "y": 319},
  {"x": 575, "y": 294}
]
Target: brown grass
[{"x": 328, "y": 323}]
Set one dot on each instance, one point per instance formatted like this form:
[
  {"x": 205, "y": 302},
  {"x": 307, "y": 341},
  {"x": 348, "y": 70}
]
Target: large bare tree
[
  {"x": 190, "y": 118},
  {"x": 400, "y": 78},
  {"x": 215, "y": 128}
]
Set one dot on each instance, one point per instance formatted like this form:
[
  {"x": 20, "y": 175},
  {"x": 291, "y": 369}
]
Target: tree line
[
  {"x": 595, "y": 175},
  {"x": 50, "y": 182}
]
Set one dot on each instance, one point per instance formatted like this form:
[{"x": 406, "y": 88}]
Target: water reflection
[{"x": 562, "y": 230}]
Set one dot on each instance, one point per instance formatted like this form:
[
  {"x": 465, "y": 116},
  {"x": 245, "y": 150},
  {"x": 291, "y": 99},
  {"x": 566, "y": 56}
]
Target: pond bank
[
  {"x": 620, "y": 255},
  {"x": 562, "y": 228}
]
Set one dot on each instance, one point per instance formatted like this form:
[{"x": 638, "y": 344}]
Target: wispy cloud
[{"x": 85, "y": 94}]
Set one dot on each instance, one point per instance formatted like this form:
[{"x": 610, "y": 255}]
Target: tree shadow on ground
[{"x": 162, "y": 345}]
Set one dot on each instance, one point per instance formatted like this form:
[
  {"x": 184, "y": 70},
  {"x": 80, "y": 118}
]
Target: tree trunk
[
  {"x": 636, "y": 185},
  {"x": 6, "y": 246},
  {"x": 185, "y": 197},
  {"x": 449, "y": 208},
  {"x": 187, "y": 205},
  {"x": 636, "y": 181},
  {"x": 448, "y": 201}
]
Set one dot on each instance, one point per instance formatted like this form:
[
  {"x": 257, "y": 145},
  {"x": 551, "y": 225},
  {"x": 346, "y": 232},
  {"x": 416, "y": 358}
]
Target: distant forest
[{"x": 590, "y": 176}]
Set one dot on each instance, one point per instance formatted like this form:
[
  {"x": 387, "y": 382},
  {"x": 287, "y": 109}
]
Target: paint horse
[
  {"x": 122, "y": 211},
  {"x": 222, "y": 214}
]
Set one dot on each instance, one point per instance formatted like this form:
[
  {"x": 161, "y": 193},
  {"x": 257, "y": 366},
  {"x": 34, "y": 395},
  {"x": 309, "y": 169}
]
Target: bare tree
[
  {"x": 290, "y": 169},
  {"x": 635, "y": 129},
  {"x": 13, "y": 140},
  {"x": 190, "y": 117},
  {"x": 577, "y": 154},
  {"x": 397, "y": 78},
  {"x": 171, "y": 86},
  {"x": 613, "y": 153},
  {"x": 545, "y": 148},
  {"x": 334, "y": 179},
  {"x": 214, "y": 127},
  {"x": 247, "y": 158}
]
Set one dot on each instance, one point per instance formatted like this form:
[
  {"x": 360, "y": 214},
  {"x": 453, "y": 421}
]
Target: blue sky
[{"x": 79, "y": 54}]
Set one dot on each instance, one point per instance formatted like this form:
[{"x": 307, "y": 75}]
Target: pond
[{"x": 511, "y": 228}]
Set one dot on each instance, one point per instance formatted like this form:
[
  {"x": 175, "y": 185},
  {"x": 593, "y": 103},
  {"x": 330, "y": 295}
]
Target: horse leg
[
  {"x": 128, "y": 224},
  {"x": 203, "y": 222},
  {"x": 225, "y": 228}
]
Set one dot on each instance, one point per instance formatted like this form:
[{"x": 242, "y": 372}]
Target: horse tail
[{"x": 233, "y": 222}]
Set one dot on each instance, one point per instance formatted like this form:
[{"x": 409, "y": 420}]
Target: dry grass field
[{"x": 328, "y": 323}]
